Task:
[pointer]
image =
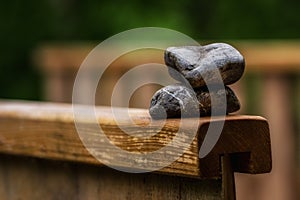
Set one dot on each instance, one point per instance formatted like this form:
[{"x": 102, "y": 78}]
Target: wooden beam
[
  {"x": 53, "y": 58},
  {"x": 280, "y": 56},
  {"x": 34, "y": 179},
  {"x": 271, "y": 56},
  {"x": 47, "y": 130}
]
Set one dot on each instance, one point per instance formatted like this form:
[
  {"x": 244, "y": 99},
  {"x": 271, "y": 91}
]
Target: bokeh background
[
  {"x": 29, "y": 26},
  {"x": 26, "y": 24}
]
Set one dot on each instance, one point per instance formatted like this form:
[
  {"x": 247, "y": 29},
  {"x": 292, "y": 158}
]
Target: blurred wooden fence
[{"x": 270, "y": 87}]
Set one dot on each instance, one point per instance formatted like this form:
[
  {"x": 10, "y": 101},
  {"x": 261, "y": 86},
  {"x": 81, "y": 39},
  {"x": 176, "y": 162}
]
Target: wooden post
[
  {"x": 228, "y": 185},
  {"x": 42, "y": 156}
]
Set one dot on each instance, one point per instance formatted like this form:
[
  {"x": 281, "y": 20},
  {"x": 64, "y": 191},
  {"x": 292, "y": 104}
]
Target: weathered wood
[
  {"x": 267, "y": 57},
  {"x": 228, "y": 184},
  {"x": 35, "y": 179},
  {"x": 47, "y": 130}
]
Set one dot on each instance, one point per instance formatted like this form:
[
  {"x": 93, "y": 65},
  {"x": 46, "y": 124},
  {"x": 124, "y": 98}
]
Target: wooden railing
[
  {"x": 270, "y": 87},
  {"x": 43, "y": 157}
]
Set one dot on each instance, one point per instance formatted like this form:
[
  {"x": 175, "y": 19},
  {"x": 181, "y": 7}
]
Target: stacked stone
[{"x": 197, "y": 65}]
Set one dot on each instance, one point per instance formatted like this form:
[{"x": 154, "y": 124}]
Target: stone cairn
[{"x": 193, "y": 63}]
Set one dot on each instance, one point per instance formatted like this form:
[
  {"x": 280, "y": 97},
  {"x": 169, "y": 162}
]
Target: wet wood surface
[{"x": 47, "y": 130}]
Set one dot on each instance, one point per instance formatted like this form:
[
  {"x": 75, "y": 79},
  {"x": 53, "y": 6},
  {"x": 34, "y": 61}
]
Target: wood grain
[
  {"x": 47, "y": 130},
  {"x": 35, "y": 179}
]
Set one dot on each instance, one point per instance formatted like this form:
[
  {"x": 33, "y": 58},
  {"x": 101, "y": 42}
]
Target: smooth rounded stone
[
  {"x": 168, "y": 101},
  {"x": 203, "y": 65},
  {"x": 204, "y": 97}
]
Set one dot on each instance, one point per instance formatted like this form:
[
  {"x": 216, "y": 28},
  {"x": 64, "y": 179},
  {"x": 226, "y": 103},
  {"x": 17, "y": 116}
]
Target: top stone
[{"x": 203, "y": 65}]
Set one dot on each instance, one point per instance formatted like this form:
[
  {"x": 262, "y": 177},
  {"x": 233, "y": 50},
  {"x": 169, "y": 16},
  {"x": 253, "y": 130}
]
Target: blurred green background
[{"x": 26, "y": 24}]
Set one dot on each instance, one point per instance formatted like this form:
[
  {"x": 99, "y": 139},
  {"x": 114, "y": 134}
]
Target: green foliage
[{"x": 25, "y": 24}]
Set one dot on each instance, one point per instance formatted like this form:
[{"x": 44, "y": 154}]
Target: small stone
[
  {"x": 175, "y": 101},
  {"x": 204, "y": 97},
  {"x": 168, "y": 101},
  {"x": 198, "y": 64}
]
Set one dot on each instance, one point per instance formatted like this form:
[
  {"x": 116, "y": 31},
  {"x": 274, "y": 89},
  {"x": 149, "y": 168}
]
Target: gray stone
[
  {"x": 204, "y": 97},
  {"x": 177, "y": 100},
  {"x": 200, "y": 65},
  {"x": 167, "y": 102}
]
